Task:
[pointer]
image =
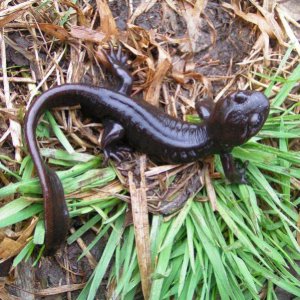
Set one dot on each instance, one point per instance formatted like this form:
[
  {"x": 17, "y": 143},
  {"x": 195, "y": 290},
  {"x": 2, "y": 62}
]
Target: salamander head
[{"x": 238, "y": 117}]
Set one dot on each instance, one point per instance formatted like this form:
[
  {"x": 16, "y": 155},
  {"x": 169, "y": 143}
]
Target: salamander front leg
[
  {"x": 204, "y": 108},
  {"x": 112, "y": 142},
  {"x": 118, "y": 65},
  {"x": 234, "y": 173}
]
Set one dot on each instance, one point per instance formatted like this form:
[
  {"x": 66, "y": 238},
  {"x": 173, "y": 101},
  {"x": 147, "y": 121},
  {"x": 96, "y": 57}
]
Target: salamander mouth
[{"x": 246, "y": 125}]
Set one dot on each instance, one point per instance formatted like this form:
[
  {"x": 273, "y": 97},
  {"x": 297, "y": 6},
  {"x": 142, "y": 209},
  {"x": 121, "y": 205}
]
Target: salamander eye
[{"x": 240, "y": 98}]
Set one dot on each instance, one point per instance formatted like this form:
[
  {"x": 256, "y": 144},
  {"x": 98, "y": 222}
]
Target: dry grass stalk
[
  {"x": 210, "y": 189},
  {"x": 14, "y": 127},
  {"x": 141, "y": 229}
]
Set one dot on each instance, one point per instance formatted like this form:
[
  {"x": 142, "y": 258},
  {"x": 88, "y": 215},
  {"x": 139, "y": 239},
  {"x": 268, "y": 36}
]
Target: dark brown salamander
[{"x": 228, "y": 123}]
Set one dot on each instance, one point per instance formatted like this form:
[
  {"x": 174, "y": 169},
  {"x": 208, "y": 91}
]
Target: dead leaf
[
  {"x": 140, "y": 57},
  {"x": 10, "y": 17},
  {"x": 111, "y": 189},
  {"x": 270, "y": 19},
  {"x": 2, "y": 234},
  {"x": 5, "y": 11},
  {"x": 169, "y": 18},
  {"x": 9, "y": 248},
  {"x": 177, "y": 195},
  {"x": 265, "y": 22},
  {"x": 184, "y": 73},
  {"x": 81, "y": 18},
  {"x": 143, "y": 7},
  {"x": 175, "y": 6},
  {"x": 4, "y": 295},
  {"x": 293, "y": 34},
  {"x": 108, "y": 24},
  {"x": 27, "y": 232},
  {"x": 192, "y": 16},
  {"x": 140, "y": 36},
  {"x": 171, "y": 39},
  {"x": 21, "y": 48},
  {"x": 87, "y": 34},
  {"x": 164, "y": 63},
  {"x": 54, "y": 30},
  {"x": 59, "y": 290}
]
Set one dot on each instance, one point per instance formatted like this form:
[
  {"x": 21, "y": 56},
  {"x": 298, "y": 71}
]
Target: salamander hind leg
[
  {"x": 111, "y": 143},
  {"x": 118, "y": 66}
]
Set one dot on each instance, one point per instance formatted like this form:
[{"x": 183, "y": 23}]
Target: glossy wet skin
[
  {"x": 238, "y": 117},
  {"x": 231, "y": 122}
]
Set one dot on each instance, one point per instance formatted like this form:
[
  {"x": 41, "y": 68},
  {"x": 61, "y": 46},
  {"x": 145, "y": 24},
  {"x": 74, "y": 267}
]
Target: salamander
[{"x": 230, "y": 122}]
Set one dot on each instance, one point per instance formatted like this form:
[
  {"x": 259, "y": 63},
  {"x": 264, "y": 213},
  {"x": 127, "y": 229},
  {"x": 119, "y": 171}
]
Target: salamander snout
[{"x": 255, "y": 110}]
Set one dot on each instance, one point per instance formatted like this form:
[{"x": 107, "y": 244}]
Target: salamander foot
[
  {"x": 235, "y": 172},
  {"x": 238, "y": 175},
  {"x": 117, "y": 57},
  {"x": 118, "y": 66},
  {"x": 116, "y": 153}
]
